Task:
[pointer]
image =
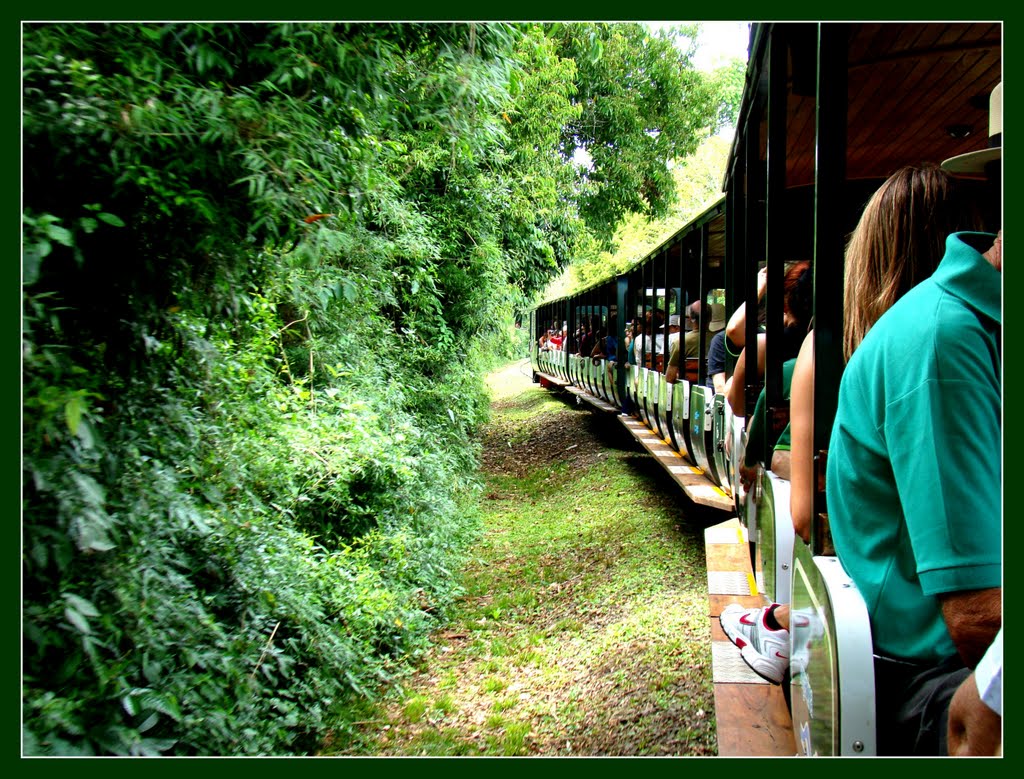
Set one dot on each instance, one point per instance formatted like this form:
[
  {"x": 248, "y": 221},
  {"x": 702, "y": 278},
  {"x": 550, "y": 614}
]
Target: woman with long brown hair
[{"x": 898, "y": 243}]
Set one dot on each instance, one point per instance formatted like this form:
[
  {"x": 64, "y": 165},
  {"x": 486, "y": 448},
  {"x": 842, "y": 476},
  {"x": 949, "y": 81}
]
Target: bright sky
[
  {"x": 721, "y": 41},
  {"x": 718, "y": 42}
]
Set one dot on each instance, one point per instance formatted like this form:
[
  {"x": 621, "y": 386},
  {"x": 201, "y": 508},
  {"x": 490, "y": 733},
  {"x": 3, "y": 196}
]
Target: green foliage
[
  {"x": 643, "y": 105},
  {"x": 728, "y": 82},
  {"x": 698, "y": 183},
  {"x": 264, "y": 266}
]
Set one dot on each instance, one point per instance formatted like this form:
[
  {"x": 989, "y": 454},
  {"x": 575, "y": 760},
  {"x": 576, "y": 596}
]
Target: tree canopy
[{"x": 698, "y": 184}]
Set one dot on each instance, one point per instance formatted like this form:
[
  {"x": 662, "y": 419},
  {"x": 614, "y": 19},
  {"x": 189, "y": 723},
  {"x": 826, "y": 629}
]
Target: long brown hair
[{"x": 898, "y": 242}]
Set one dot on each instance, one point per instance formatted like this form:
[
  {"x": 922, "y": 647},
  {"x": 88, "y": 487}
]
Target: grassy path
[{"x": 583, "y": 630}]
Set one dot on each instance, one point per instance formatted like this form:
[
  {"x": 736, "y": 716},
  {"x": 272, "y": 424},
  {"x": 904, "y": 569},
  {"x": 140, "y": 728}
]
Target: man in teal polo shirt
[{"x": 914, "y": 488}]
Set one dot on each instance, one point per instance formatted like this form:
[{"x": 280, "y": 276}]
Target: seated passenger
[
  {"x": 691, "y": 340},
  {"x": 672, "y": 370},
  {"x": 716, "y": 361},
  {"x": 632, "y": 331},
  {"x": 650, "y": 342},
  {"x": 917, "y": 430},
  {"x": 611, "y": 343},
  {"x": 587, "y": 340},
  {"x": 599, "y": 351},
  {"x": 914, "y": 204},
  {"x": 674, "y": 352},
  {"x": 797, "y": 308},
  {"x": 691, "y": 343},
  {"x": 673, "y": 331},
  {"x": 736, "y": 330},
  {"x": 641, "y": 343}
]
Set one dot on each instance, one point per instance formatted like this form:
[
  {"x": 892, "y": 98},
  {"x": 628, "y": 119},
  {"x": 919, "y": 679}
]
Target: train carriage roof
[{"x": 917, "y": 92}]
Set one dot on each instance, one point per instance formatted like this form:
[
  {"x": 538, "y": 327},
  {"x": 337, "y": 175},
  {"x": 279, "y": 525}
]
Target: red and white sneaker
[{"x": 765, "y": 650}]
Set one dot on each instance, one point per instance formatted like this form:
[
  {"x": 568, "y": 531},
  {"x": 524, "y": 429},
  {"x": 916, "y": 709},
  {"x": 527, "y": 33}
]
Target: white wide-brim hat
[{"x": 975, "y": 161}]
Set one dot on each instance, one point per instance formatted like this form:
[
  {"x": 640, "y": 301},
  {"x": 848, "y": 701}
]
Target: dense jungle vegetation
[{"x": 264, "y": 269}]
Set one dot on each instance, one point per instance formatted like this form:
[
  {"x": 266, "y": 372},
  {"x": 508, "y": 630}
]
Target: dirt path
[{"x": 583, "y": 628}]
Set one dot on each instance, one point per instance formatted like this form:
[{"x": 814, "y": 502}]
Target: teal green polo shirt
[
  {"x": 759, "y": 430},
  {"x": 914, "y": 462}
]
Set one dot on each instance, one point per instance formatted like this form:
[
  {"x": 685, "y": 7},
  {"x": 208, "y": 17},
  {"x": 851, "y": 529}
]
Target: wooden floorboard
[
  {"x": 753, "y": 721},
  {"x": 751, "y": 714},
  {"x": 697, "y": 486},
  {"x": 555, "y": 380}
]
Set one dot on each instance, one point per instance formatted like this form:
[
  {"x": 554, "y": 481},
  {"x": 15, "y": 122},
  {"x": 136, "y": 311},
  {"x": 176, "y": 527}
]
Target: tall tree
[
  {"x": 698, "y": 183},
  {"x": 643, "y": 105}
]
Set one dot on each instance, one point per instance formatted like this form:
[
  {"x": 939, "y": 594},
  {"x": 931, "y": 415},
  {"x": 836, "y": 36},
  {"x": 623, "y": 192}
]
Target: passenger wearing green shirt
[
  {"x": 913, "y": 488},
  {"x": 897, "y": 246}
]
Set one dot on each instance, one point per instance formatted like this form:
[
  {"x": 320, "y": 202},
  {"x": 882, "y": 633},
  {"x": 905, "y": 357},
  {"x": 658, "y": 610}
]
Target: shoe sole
[{"x": 752, "y": 658}]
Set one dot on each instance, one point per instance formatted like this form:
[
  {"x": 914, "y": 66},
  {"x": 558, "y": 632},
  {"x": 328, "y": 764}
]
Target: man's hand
[{"x": 974, "y": 729}]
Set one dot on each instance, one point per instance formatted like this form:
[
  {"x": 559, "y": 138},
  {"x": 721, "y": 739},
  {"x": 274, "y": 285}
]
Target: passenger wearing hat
[
  {"x": 974, "y": 163},
  {"x": 717, "y": 348},
  {"x": 975, "y": 711},
  {"x": 717, "y": 317},
  {"x": 986, "y": 163},
  {"x": 691, "y": 343},
  {"x": 673, "y": 331},
  {"x": 672, "y": 369}
]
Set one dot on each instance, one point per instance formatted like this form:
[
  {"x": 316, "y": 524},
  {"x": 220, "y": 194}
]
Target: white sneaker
[
  {"x": 765, "y": 650},
  {"x": 806, "y": 629}
]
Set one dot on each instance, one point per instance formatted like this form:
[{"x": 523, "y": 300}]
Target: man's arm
[
  {"x": 672, "y": 372},
  {"x": 736, "y": 329},
  {"x": 801, "y": 435},
  {"x": 737, "y": 390},
  {"x": 973, "y": 617},
  {"x": 974, "y": 729},
  {"x": 718, "y": 380}
]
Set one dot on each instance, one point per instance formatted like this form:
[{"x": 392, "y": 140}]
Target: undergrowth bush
[
  {"x": 236, "y": 514},
  {"x": 234, "y": 553}
]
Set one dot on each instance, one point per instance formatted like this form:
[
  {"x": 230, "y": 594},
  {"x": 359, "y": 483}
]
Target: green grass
[
  {"x": 584, "y": 614},
  {"x": 415, "y": 709},
  {"x": 494, "y": 684}
]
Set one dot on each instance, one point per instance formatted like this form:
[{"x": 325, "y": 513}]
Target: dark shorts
[{"x": 912, "y": 705}]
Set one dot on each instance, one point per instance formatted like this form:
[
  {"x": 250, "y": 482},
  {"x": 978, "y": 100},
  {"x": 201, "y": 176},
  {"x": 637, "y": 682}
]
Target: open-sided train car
[{"x": 829, "y": 111}]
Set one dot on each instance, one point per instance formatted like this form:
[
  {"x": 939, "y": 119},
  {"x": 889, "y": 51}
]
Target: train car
[{"x": 829, "y": 111}]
